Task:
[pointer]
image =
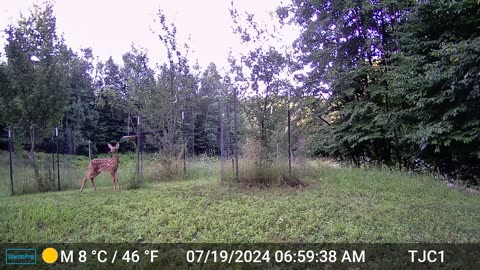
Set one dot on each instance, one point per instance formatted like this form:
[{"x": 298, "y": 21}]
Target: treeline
[
  {"x": 403, "y": 81},
  {"x": 45, "y": 84},
  {"x": 390, "y": 83}
]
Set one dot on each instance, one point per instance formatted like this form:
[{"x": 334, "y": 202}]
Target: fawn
[{"x": 96, "y": 166}]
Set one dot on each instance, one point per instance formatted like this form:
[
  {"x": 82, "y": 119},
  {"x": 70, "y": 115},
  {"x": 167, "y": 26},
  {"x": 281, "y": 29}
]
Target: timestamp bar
[{"x": 276, "y": 256}]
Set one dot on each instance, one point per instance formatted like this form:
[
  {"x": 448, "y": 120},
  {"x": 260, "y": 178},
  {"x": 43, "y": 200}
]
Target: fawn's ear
[
  {"x": 110, "y": 146},
  {"x": 117, "y": 146}
]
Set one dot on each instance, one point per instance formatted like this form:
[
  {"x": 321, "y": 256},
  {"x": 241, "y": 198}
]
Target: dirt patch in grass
[
  {"x": 285, "y": 181},
  {"x": 292, "y": 181}
]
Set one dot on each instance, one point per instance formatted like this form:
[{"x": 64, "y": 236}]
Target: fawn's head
[{"x": 114, "y": 149}]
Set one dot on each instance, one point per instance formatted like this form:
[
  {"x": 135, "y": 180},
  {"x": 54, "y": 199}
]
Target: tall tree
[
  {"x": 267, "y": 69},
  {"x": 439, "y": 73},
  {"x": 164, "y": 103},
  {"x": 395, "y": 82},
  {"x": 37, "y": 91},
  {"x": 111, "y": 94},
  {"x": 347, "y": 46},
  {"x": 80, "y": 120},
  {"x": 207, "y": 120},
  {"x": 36, "y": 71}
]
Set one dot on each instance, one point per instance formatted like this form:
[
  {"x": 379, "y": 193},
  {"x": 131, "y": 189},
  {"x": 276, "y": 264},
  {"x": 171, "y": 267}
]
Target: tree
[
  {"x": 439, "y": 74},
  {"x": 164, "y": 103},
  {"x": 347, "y": 46},
  {"x": 5, "y": 94},
  {"x": 396, "y": 83},
  {"x": 267, "y": 71},
  {"x": 80, "y": 119},
  {"x": 207, "y": 116},
  {"x": 37, "y": 91},
  {"x": 111, "y": 100}
]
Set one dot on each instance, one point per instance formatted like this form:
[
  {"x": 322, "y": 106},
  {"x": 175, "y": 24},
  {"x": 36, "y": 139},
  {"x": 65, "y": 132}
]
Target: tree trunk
[
  {"x": 32, "y": 142},
  {"x": 235, "y": 147},
  {"x": 32, "y": 158},
  {"x": 228, "y": 138},
  {"x": 222, "y": 146}
]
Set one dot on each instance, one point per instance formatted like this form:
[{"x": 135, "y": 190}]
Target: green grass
[{"x": 339, "y": 205}]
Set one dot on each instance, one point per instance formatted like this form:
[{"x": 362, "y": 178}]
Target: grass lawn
[{"x": 339, "y": 205}]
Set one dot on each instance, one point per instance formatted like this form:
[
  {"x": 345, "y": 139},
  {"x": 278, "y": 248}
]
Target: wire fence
[
  {"x": 55, "y": 166},
  {"x": 63, "y": 159}
]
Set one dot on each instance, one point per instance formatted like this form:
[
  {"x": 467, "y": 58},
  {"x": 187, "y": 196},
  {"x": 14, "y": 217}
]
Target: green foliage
[
  {"x": 397, "y": 82},
  {"x": 206, "y": 134},
  {"x": 442, "y": 41},
  {"x": 261, "y": 79},
  {"x": 36, "y": 95},
  {"x": 112, "y": 120},
  {"x": 80, "y": 119}
]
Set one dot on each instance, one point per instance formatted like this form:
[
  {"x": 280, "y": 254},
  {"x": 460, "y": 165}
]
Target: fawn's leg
[
  {"x": 84, "y": 181},
  {"x": 116, "y": 180},
  {"x": 113, "y": 180},
  {"x": 93, "y": 183}
]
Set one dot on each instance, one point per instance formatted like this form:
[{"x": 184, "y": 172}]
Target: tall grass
[
  {"x": 251, "y": 171},
  {"x": 157, "y": 169}
]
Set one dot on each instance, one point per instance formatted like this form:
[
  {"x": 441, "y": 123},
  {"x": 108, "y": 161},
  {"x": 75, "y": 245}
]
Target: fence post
[
  {"x": 289, "y": 143},
  {"x": 52, "y": 148},
  {"x": 139, "y": 149},
  {"x": 222, "y": 143},
  {"x": 235, "y": 147},
  {"x": 184, "y": 146},
  {"x": 58, "y": 160},
  {"x": 10, "y": 154}
]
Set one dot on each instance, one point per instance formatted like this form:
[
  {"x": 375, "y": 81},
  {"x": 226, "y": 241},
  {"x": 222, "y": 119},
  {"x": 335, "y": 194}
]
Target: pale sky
[{"x": 110, "y": 27}]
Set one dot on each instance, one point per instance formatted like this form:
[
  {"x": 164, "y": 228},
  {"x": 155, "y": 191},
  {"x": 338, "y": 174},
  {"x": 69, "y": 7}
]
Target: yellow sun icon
[{"x": 50, "y": 255}]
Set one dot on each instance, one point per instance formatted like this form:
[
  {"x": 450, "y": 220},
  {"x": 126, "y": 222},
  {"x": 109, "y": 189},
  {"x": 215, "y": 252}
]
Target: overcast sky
[{"x": 110, "y": 27}]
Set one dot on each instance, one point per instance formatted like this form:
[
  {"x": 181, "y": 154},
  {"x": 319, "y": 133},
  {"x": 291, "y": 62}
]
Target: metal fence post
[
  {"x": 184, "y": 146},
  {"x": 58, "y": 160},
  {"x": 289, "y": 142},
  {"x": 139, "y": 149},
  {"x": 11, "y": 165}
]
